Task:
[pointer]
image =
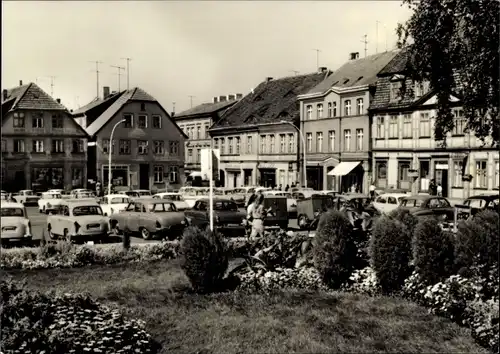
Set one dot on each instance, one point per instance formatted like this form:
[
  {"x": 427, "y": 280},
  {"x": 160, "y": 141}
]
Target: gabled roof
[
  {"x": 96, "y": 102},
  {"x": 354, "y": 73},
  {"x": 31, "y": 96},
  {"x": 397, "y": 64},
  {"x": 271, "y": 102},
  {"x": 205, "y": 109}
]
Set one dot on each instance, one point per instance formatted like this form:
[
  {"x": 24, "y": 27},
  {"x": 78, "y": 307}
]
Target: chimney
[
  {"x": 20, "y": 82},
  {"x": 323, "y": 69},
  {"x": 354, "y": 56},
  {"x": 172, "y": 114},
  {"x": 239, "y": 96},
  {"x": 231, "y": 97},
  {"x": 105, "y": 92},
  {"x": 5, "y": 94},
  {"x": 58, "y": 100},
  {"x": 222, "y": 98},
  {"x": 268, "y": 79},
  {"x": 215, "y": 99}
]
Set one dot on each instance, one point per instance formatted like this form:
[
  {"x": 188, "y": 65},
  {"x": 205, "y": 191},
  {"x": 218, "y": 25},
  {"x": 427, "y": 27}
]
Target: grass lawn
[{"x": 234, "y": 322}]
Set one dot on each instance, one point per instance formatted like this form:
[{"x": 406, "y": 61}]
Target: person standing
[
  {"x": 439, "y": 190},
  {"x": 432, "y": 187},
  {"x": 372, "y": 191},
  {"x": 258, "y": 215}
]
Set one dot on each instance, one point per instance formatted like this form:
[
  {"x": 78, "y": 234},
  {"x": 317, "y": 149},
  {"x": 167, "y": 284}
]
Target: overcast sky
[{"x": 178, "y": 49}]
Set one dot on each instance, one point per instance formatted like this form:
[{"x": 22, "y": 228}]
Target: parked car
[
  {"x": 64, "y": 194},
  {"x": 78, "y": 220},
  {"x": 239, "y": 195},
  {"x": 473, "y": 205},
  {"x": 425, "y": 205},
  {"x": 26, "y": 197},
  {"x": 278, "y": 216},
  {"x": 16, "y": 226},
  {"x": 143, "y": 193},
  {"x": 299, "y": 194},
  {"x": 387, "y": 202},
  {"x": 151, "y": 218},
  {"x": 311, "y": 208},
  {"x": 176, "y": 198},
  {"x": 85, "y": 195},
  {"x": 291, "y": 203},
  {"x": 114, "y": 203},
  {"x": 49, "y": 202},
  {"x": 226, "y": 214}
]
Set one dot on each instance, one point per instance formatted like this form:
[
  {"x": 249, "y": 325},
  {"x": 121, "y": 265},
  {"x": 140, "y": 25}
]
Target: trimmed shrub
[
  {"x": 403, "y": 215},
  {"x": 477, "y": 242},
  {"x": 204, "y": 259},
  {"x": 334, "y": 250},
  {"x": 433, "y": 251},
  {"x": 390, "y": 252}
]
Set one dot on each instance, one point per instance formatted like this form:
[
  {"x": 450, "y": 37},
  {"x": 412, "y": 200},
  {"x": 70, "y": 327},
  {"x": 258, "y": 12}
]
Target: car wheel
[
  {"x": 146, "y": 235},
  {"x": 302, "y": 222}
]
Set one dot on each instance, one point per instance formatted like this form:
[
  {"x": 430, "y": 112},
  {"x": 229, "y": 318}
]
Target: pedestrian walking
[
  {"x": 432, "y": 187},
  {"x": 258, "y": 216}
]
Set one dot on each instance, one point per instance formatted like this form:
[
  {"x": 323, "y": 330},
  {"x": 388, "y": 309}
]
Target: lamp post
[
  {"x": 111, "y": 154},
  {"x": 303, "y": 145}
]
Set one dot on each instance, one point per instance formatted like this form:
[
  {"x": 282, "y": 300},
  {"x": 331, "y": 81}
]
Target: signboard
[
  {"x": 412, "y": 173},
  {"x": 210, "y": 161},
  {"x": 441, "y": 166}
]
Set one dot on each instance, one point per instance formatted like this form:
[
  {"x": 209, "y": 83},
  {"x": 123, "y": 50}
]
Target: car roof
[
  {"x": 485, "y": 196},
  {"x": 353, "y": 196},
  {"x": 79, "y": 202},
  {"x": 396, "y": 195},
  {"x": 151, "y": 201},
  {"x": 423, "y": 197},
  {"x": 5, "y": 204},
  {"x": 116, "y": 195},
  {"x": 168, "y": 193},
  {"x": 140, "y": 190}
]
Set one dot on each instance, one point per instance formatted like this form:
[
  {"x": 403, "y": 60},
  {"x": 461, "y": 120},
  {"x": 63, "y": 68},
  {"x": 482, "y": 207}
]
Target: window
[
  {"x": 198, "y": 155},
  {"x": 457, "y": 174},
  {"x": 421, "y": 88},
  {"x": 381, "y": 169},
  {"x": 481, "y": 175},
  {"x": 58, "y": 145},
  {"x": 380, "y": 128},
  {"x": 309, "y": 112},
  {"x": 496, "y": 182},
  {"x": 156, "y": 121},
  {"x": 129, "y": 120},
  {"x": 198, "y": 132},
  {"x": 347, "y": 107},
  {"x": 359, "y": 106},
  {"x": 237, "y": 139},
  {"x": 105, "y": 146},
  {"x": 230, "y": 145},
  {"x": 19, "y": 145},
  {"x": 309, "y": 138},
  {"x": 158, "y": 174},
  {"x": 57, "y": 121},
  {"x": 319, "y": 142},
  {"x": 249, "y": 144},
  {"x": 38, "y": 120},
  {"x": 142, "y": 147},
  {"x": 77, "y": 146},
  {"x": 334, "y": 109},
  {"x": 404, "y": 167},
  {"x": 262, "y": 144},
  {"x": 124, "y": 147},
  {"x": 143, "y": 107},
  {"x": 18, "y": 120},
  {"x": 331, "y": 140},
  {"x": 216, "y": 143},
  {"x": 425, "y": 126},
  {"x": 407, "y": 126},
  {"x": 460, "y": 122},
  {"x": 393, "y": 127},
  {"x": 190, "y": 155},
  {"x": 174, "y": 174},
  {"x": 282, "y": 143},
  {"x": 158, "y": 147},
  {"x": 395, "y": 93},
  {"x": 359, "y": 139},
  {"x": 207, "y": 127},
  {"x": 271, "y": 144},
  {"x": 291, "y": 143},
  {"x": 37, "y": 145},
  {"x": 174, "y": 148},
  {"x": 142, "y": 121},
  {"x": 347, "y": 140},
  {"x": 330, "y": 109},
  {"x": 282, "y": 178},
  {"x": 222, "y": 145},
  {"x": 319, "y": 108}
]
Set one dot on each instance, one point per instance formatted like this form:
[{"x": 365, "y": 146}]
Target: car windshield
[
  {"x": 218, "y": 192},
  {"x": 120, "y": 200},
  {"x": 160, "y": 207},
  {"x": 132, "y": 194},
  {"x": 225, "y": 205},
  {"x": 87, "y": 210},
  {"x": 476, "y": 203},
  {"x": 28, "y": 193},
  {"x": 52, "y": 196},
  {"x": 143, "y": 193},
  {"x": 174, "y": 197},
  {"x": 12, "y": 212},
  {"x": 86, "y": 195}
]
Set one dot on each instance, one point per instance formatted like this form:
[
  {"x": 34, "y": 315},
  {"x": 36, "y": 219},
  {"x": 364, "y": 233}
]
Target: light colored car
[
  {"x": 143, "y": 193},
  {"x": 387, "y": 202},
  {"x": 114, "y": 203},
  {"x": 4, "y": 195},
  {"x": 239, "y": 195},
  {"x": 150, "y": 218},
  {"x": 64, "y": 194},
  {"x": 85, "y": 195},
  {"x": 175, "y": 198},
  {"x": 130, "y": 194},
  {"x": 78, "y": 220},
  {"x": 49, "y": 202},
  {"x": 291, "y": 203},
  {"x": 26, "y": 197},
  {"x": 15, "y": 223}
]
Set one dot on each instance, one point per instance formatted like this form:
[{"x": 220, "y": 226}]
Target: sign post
[{"x": 210, "y": 170}]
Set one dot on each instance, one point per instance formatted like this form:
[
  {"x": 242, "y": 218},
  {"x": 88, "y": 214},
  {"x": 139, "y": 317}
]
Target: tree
[{"x": 454, "y": 44}]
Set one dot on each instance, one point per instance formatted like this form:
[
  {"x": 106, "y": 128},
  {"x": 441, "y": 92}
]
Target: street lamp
[
  {"x": 303, "y": 145},
  {"x": 111, "y": 153}
]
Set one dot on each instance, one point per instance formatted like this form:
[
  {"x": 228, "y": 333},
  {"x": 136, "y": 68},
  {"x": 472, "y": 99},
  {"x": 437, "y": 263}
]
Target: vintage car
[
  {"x": 387, "y": 202},
  {"x": 26, "y": 197},
  {"x": 239, "y": 195},
  {"x": 151, "y": 218},
  {"x": 428, "y": 205},
  {"x": 114, "y": 203},
  {"x": 341, "y": 200},
  {"x": 299, "y": 194},
  {"x": 278, "y": 215},
  {"x": 310, "y": 208},
  {"x": 16, "y": 226},
  {"x": 328, "y": 192},
  {"x": 62, "y": 192},
  {"x": 49, "y": 202},
  {"x": 143, "y": 194},
  {"x": 291, "y": 203},
  {"x": 78, "y": 220},
  {"x": 79, "y": 190},
  {"x": 176, "y": 198},
  {"x": 473, "y": 205},
  {"x": 226, "y": 214},
  {"x": 130, "y": 194}
]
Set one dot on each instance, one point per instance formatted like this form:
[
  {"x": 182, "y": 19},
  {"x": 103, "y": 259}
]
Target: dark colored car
[
  {"x": 226, "y": 214},
  {"x": 429, "y": 205},
  {"x": 278, "y": 214},
  {"x": 309, "y": 209},
  {"x": 477, "y": 203}
]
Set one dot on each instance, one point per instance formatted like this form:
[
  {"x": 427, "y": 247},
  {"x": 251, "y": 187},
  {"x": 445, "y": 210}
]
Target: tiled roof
[
  {"x": 96, "y": 102},
  {"x": 205, "y": 108},
  {"x": 357, "y": 72},
  {"x": 31, "y": 96},
  {"x": 139, "y": 94},
  {"x": 270, "y": 102},
  {"x": 397, "y": 64}
]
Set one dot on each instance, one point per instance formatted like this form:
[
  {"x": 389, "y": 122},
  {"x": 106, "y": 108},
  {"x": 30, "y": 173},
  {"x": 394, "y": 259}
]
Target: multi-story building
[
  {"x": 195, "y": 123},
  {"x": 405, "y": 153},
  {"x": 148, "y": 146},
  {"x": 42, "y": 146},
  {"x": 335, "y": 122},
  {"x": 257, "y": 136}
]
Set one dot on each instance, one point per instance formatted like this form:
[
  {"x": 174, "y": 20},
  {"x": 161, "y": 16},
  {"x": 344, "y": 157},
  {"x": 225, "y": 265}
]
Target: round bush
[
  {"x": 204, "y": 258},
  {"x": 334, "y": 250},
  {"x": 390, "y": 252},
  {"x": 404, "y": 216}
]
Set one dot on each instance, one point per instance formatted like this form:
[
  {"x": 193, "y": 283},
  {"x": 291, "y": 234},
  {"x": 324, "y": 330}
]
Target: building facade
[
  {"x": 42, "y": 146},
  {"x": 148, "y": 146},
  {"x": 336, "y": 126},
  {"x": 195, "y": 123},
  {"x": 405, "y": 153},
  {"x": 258, "y": 136}
]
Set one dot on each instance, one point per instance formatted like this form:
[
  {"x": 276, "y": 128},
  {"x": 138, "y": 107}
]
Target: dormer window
[
  {"x": 421, "y": 88},
  {"x": 395, "y": 93}
]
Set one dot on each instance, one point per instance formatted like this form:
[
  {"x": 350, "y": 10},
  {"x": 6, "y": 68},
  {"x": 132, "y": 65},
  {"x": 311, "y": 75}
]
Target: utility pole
[
  {"x": 365, "y": 42},
  {"x": 128, "y": 71},
  {"x": 119, "y": 74},
  {"x": 376, "y": 43},
  {"x": 295, "y": 72},
  {"x": 317, "y": 57},
  {"x": 191, "y": 99},
  {"x": 97, "y": 75},
  {"x": 52, "y": 85}
]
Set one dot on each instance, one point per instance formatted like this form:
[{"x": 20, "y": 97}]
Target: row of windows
[
  {"x": 37, "y": 120},
  {"x": 142, "y": 121},
  {"x": 268, "y": 144},
  {"x": 332, "y": 109},
  {"x": 347, "y": 144},
  {"x": 419, "y": 89},
  {"x": 158, "y": 174},
  {"x": 195, "y": 132},
  {"x": 39, "y": 145},
  {"x": 125, "y": 147}
]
